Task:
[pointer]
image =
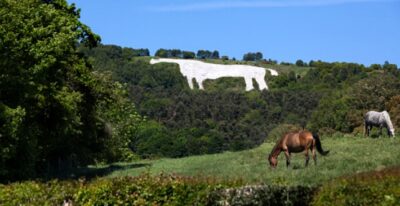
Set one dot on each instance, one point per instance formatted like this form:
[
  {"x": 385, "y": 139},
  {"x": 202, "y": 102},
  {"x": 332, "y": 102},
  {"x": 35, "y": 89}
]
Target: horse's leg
[
  {"x": 380, "y": 131},
  {"x": 190, "y": 81},
  {"x": 314, "y": 155},
  {"x": 261, "y": 83},
  {"x": 368, "y": 130},
  {"x": 307, "y": 157},
  {"x": 249, "y": 83},
  {"x": 287, "y": 154},
  {"x": 365, "y": 130},
  {"x": 200, "y": 82}
]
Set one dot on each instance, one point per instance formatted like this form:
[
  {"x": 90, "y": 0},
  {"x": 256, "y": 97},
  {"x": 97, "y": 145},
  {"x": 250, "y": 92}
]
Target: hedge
[
  {"x": 148, "y": 190},
  {"x": 263, "y": 195},
  {"x": 369, "y": 188},
  {"x": 142, "y": 190}
]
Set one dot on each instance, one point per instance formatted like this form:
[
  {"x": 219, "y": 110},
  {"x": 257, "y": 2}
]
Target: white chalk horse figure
[
  {"x": 201, "y": 71},
  {"x": 378, "y": 119}
]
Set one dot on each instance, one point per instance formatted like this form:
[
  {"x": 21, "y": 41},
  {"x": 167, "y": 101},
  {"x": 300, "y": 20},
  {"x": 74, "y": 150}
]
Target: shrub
[
  {"x": 147, "y": 190},
  {"x": 141, "y": 190},
  {"x": 369, "y": 188},
  {"x": 37, "y": 194},
  {"x": 263, "y": 195},
  {"x": 151, "y": 190}
]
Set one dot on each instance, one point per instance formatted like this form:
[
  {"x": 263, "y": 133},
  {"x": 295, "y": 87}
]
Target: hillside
[
  {"x": 183, "y": 122},
  {"x": 224, "y": 117}
]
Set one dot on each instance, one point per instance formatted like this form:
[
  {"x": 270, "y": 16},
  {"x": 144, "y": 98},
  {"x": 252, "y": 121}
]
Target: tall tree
[{"x": 47, "y": 93}]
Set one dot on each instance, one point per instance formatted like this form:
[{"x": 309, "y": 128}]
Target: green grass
[{"x": 348, "y": 155}]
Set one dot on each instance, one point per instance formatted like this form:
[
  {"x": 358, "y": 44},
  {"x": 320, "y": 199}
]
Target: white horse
[
  {"x": 201, "y": 71},
  {"x": 378, "y": 119}
]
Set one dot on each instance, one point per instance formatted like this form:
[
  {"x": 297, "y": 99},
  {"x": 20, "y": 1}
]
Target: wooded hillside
[{"x": 326, "y": 98}]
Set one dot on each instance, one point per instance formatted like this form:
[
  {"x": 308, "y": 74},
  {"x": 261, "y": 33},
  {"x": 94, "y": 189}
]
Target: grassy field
[{"x": 348, "y": 155}]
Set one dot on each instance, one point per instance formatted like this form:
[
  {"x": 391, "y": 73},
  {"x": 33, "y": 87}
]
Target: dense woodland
[{"x": 67, "y": 101}]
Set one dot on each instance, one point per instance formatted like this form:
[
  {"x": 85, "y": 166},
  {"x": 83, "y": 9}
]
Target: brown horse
[{"x": 296, "y": 142}]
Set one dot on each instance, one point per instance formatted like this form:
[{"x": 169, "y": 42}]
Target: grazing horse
[
  {"x": 378, "y": 119},
  {"x": 296, "y": 142}
]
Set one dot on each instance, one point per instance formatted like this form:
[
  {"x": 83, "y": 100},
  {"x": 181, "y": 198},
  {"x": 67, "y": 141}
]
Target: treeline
[
  {"x": 177, "y": 53},
  {"x": 207, "y": 54},
  {"x": 253, "y": 56},
  {"x": 129, "y": 53},
  {"x": 203, "y": 54}
]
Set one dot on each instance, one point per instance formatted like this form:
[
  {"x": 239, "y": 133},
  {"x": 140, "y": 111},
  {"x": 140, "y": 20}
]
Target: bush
[
  {"x": 263, "y": 195},
  {"x": 370, "y": 188},
  {"x": 38, "y": 194},
  {"x": 141, "y": 190}
]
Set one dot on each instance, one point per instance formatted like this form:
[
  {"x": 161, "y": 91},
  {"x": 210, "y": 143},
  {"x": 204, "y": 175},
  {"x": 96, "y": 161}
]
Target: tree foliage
[
  {"x": 257, "y": 56},
  {"x": 206, "y": 54},
  {"x": 175, "y": 53},
  {"x": 343, "y": 110},
  {"x": 49, "y": 117}
]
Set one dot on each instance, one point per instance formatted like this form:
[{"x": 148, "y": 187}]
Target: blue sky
[{"x": 361, "y": 31}]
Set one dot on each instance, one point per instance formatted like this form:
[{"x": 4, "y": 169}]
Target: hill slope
[{"x": 327, "y": 97}]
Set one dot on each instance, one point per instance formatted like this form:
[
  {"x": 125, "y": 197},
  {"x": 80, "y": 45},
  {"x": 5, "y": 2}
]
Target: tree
[
  {"x": 299, "y": 63},
  {"x": 391, "y": 68},
  {"x": 225, "y": 58},
  {"x": 120, "y": 117},
  {"x": 188, "y": 55},
  {"x": 258, "y": 56},
  {"x": 375, "y": 66},
  {"x": 311, "y": 63},
  {"x": 175, "y": 53},
  {"x": 206, "y": 54},
  {"x": 129, "y": 53},
  {"x": 48, "y": 94},
  {"x": 252, "y": 56},
  {"x": 215, "y": 55},
  {"x": 203, "y": 54},
  {"x": 162, "y": 53}
]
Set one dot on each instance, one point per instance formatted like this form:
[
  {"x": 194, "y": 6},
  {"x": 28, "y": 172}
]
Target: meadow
[{"x": 348, "y": 155}]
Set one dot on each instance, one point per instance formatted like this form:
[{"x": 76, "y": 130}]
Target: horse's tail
[{"x": 318, "y": 144}]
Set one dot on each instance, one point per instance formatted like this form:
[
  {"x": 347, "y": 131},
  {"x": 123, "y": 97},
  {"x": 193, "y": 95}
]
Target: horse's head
[
  {"x": 154, "y": 61},
  {"x": 273, "y": 161},
  {"x": 391, "y": 132}
]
